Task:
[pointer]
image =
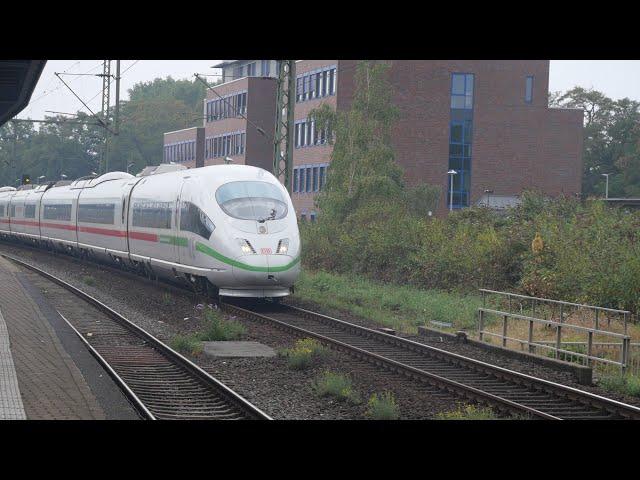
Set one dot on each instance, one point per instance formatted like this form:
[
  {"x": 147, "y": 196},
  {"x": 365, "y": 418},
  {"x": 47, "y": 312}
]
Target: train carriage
[{"x": 230, "y": 227}]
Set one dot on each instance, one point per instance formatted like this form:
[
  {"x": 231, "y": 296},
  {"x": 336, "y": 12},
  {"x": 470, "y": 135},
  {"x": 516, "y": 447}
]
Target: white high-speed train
[{"x": 229, "y": 229}]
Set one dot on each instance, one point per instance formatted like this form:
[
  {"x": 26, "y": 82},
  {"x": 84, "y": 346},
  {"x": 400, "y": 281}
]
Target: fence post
[
  {"x": 625, "y": 350},
  {"x": 533, "y": 308},
  {"x": 625, "y": 323},
  {"x": 509, "y": 295},
  {"x": 558, "y": 340},
  {"x": 504, "y": 330},
  {"x": 589, "y": 348},
  {"x": 480, "y": 323},
  {"x": 597, "y": 312},
  {"x": 561, "y": 313},
  {"x": 530, "y": 336}
]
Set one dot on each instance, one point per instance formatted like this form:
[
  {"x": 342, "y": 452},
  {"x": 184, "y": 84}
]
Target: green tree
[
  {"x": 75, "y": 150},
  {"x": 363, "y": 169},
  {"x": 611, "y": 140}
]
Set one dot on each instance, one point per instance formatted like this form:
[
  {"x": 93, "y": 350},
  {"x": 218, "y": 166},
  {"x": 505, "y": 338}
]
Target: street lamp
[
  {"x": 488, "y": 192},
  {"x": 129, "y": 166},
  {"x": 41, "y": 177},
  {"x": 228, "y": 160},
  {"x": 62, "y": 176},
  {"x": 606, "y": 191},
  {"x": 451, "y": 173}
]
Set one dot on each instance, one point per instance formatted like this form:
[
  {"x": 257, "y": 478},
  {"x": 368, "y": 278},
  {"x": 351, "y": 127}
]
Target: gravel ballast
[{"x": 269, "y": 383}]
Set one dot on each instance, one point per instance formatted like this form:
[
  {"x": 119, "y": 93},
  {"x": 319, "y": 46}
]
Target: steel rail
[
  {"x": 137, "y": 403},
  {"x": 610, "y": 405},
  {"x": 231, "y": 397},
  {"x": 579, "y": 398}
]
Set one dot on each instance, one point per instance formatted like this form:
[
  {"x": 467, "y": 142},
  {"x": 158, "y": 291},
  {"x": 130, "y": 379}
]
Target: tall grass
[{"x": 396, "y": 306}]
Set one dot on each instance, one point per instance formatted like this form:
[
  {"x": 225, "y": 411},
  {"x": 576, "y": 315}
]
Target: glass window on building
[
  {"x": 301, "y": 184},
  {"x": 332, "y": 81},
  {"x": 462, "y": 91},
  {"x": 460, "y": 161},
  {"x": 266, "y": 68},
  {"x": 238, "y": 72},
  {"x": 528, "y": 89},
  {"x": 296, "y": 174},
  {"x": 315, "y": 179}
]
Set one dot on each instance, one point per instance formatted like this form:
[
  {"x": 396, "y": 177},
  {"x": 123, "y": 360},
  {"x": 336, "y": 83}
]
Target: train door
[
  {"x": 187, "y": 246},
  {"x": 151, "y": 226}
]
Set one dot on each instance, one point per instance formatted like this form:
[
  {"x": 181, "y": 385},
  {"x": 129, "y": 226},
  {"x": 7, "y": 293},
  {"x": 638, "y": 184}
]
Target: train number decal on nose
[{"x": 265, "y": 251}]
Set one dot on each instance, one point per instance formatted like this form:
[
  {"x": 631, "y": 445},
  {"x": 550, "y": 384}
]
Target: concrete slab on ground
[{"x": 238, "y": 349}]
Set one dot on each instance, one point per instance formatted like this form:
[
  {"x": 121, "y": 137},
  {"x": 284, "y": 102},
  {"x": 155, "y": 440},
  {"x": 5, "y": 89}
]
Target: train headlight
[
  {"x": 245, "y": 246},
  {"x": 283, "y": 246}
]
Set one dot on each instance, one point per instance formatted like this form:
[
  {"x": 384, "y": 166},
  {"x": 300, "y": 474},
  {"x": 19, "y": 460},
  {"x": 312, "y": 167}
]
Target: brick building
[{"x": 487, "y": 121}]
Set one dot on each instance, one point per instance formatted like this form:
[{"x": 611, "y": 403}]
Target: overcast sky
[{"x": 616, "y": 78}]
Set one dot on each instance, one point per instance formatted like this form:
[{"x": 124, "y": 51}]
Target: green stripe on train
[
  {"x": 229, "y": 261},
  {"x": 170, "y": 239}
]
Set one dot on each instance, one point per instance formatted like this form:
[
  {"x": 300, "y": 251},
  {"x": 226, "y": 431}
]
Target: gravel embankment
[
  {"x": 267, "y": 382},
  {"x": 444, "y": 343}
]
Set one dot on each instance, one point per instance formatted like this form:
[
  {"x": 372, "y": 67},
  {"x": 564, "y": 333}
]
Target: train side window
[
  {"x": 61, "y": 212},
  {"x": 97, "y": 213},
  {"x": 150, "y": 214},
  {"x": 29, "y": 211},
  {"x": 192, "y": 219},
  {"x": 1, "y": 210}
]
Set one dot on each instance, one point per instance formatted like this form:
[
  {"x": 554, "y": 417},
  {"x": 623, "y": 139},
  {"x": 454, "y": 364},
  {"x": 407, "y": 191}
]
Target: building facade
[{"x": 481, "y": 130}]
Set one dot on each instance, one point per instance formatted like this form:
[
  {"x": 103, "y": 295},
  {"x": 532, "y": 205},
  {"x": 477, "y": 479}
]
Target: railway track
[
  {"x": 159, "y": 382},
  {"x": 504, "y": 389}
]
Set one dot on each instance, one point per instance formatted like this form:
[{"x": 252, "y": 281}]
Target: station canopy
[{"x": 18, "y": 79}]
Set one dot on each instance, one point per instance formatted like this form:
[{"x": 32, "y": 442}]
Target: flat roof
[{"x": 225, "y": 63}]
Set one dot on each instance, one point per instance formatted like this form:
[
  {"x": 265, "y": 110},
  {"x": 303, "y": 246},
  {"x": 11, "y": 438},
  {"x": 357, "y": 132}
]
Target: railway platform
[{"x": 46, "y": 372}]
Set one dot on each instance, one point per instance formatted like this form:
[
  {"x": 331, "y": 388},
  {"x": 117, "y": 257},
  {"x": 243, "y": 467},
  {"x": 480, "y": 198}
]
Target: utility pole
[
  {"x": 285, "y": 107},
  {"x": 117, "y": 112},
  {"x": 104, "y": 112}
]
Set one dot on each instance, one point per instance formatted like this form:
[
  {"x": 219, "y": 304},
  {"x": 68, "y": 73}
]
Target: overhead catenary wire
[{"x": 46, "y": 92}]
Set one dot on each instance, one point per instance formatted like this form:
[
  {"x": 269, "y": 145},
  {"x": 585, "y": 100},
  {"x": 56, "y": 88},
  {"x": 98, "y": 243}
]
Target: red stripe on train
[
  {"x": 149, "y": 237},
  {"x": 103, "y": 231}
]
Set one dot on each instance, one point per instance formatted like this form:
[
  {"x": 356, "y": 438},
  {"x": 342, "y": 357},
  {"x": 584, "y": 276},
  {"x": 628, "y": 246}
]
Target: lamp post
[
  {"x": 488, "y": 192},
  {"x": 41, "y": 177},
  {"x": 129, "y": 166},
  {"x": 606, "y": 188},
  {"x": 451, "y": 174},
  {"x": 62, "y": 176},
  {"x": 228, "y": 160}
]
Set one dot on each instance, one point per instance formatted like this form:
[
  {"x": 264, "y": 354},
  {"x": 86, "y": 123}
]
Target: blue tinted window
[
  {"x": 528, "y": 92},
  {"x": 462, "y": 90}
]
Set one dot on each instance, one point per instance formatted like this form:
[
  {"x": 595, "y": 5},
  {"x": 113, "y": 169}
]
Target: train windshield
[{"x": 252, "y": 201}]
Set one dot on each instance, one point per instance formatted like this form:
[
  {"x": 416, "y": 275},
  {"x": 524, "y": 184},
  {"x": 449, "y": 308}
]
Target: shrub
[
  {"x": 626, "y": 384},
  {"x": 189, "y": 344},
  {"x": 89, "y": 280},
  {"x": 166, "y": 299},
  {"x": 336, "y": 385},
  {"x": 218, "y": 328},
  {"x": 303, "y": 353},
  {"x": 589, "y": 252},
  {"x": 468, "y": 412},
  {"x": 383, "y": 407}
]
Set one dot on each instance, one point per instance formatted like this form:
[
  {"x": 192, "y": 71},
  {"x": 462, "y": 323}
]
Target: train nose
[{"x": 267, "y": 270}]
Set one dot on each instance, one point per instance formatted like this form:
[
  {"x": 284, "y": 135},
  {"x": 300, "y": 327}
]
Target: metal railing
[
  {"x": 557, "y": 346},
  {"x": 559, "y": 307}
]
